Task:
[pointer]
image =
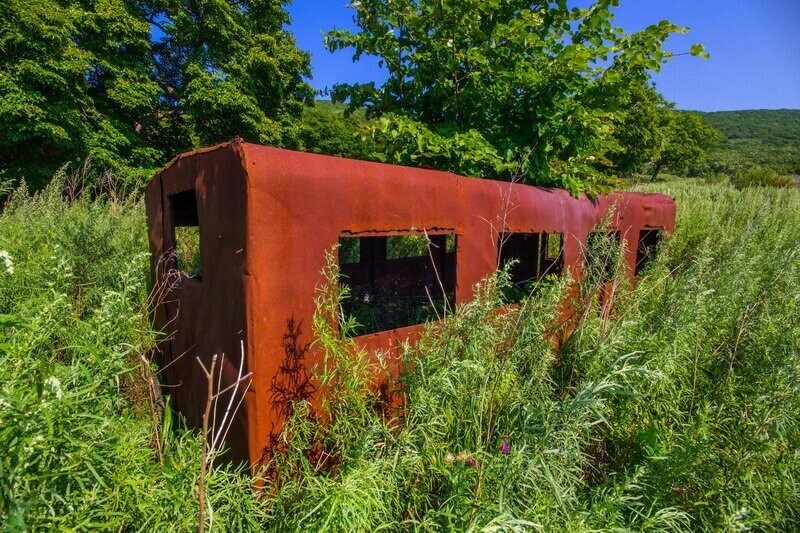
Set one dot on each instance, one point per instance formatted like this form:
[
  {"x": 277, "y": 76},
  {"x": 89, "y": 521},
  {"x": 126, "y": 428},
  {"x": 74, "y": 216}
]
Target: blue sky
[{"x": 754, "y": 46}]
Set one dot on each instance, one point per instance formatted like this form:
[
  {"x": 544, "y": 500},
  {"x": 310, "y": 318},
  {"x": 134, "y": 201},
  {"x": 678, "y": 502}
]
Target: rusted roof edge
[
  {"x": 242, "y": 145},
  {"x": 220, "y": 146}
]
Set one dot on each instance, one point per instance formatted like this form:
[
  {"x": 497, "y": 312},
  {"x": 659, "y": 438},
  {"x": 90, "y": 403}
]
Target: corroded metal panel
[{"x": 267, "y": 218}]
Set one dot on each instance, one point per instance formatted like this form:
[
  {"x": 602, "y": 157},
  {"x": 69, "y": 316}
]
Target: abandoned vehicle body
[{"x": 247, "y": 229}]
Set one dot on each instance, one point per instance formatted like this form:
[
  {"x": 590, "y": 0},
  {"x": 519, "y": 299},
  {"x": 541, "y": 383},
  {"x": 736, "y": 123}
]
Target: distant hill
[{"x": 759, "y": 137}]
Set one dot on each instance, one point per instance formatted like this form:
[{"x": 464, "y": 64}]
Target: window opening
[
  {"x": 186, "y": 233},
  {"x": 349, "y": 251},
  {"x": 536, "y": 256},
  {"x": 395, "y": 282},
  {"x": 553, "y": 246},
  {"x": 403, "y": 246},
  {"x": 646, "y": 247},
  {"x": 603, "y": 251}
]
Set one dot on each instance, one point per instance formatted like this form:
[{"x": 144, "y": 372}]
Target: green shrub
[{"x": 760, "y": 177}]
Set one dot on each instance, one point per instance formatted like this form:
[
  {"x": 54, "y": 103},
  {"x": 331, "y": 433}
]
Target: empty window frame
[
  {"x": 186, "y": 233},
  {"x": 349, "y": 251},
  {"x": 535, "y": 256},
  {"x": 602, "y": 255},
  {"x": 646, "y": 247},
  {"x": 397, "y": 281}
]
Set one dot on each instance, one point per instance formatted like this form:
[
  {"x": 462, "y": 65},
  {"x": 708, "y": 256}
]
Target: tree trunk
[{"x": 656, "y": 170}]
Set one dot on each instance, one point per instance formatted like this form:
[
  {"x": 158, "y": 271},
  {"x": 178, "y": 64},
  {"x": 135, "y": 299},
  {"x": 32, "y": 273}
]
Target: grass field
[{"x": 678, "y": 411}]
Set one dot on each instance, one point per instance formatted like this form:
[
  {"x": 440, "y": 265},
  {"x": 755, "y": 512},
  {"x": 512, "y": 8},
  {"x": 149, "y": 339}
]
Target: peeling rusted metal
[{"x": 268, "y": 216}]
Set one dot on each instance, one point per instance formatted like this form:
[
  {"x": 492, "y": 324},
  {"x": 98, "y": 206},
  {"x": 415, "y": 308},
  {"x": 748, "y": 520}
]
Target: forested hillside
[
  {"x": 771, "y": 126},
  {"x": 763, "y": 137}
]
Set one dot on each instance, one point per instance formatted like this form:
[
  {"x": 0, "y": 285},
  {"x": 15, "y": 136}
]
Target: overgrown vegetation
[
  {"x": 677, "y": 409},
  {"x": 86, "y": 440}
]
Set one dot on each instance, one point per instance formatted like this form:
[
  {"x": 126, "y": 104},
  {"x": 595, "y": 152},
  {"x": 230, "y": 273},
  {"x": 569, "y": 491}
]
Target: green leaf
[
  {"x": 699, "y": 50},
  {"x": 10, "y": 321}
]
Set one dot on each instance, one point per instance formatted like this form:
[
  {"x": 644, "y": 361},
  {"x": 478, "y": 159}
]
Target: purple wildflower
[
  {"x": 473, "y": 462},
  {"x": 505, "y": 448}
]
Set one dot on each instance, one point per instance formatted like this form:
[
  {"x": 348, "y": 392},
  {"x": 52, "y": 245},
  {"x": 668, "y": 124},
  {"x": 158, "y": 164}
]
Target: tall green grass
[
  {"x": 86, "y": 444},
  {"x": 675, "y": 409}
]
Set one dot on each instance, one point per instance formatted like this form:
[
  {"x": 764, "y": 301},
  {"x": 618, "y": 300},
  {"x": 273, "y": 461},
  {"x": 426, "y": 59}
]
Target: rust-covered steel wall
[{"x": 266, "y": 219}]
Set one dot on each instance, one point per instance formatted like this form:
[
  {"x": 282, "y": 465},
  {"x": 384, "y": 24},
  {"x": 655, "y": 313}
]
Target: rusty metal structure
[{"x": 247, "y": 228}]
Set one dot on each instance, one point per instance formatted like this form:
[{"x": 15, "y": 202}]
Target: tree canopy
[
  {"x": 502, "y": 88},
  {"x": 131, "y": 83},
  {"x": 72, "y": 79},
  {"x": 537, "y": 91},
  {"x": 652, "y": 135},
  {"x": 685, "y": 141}
]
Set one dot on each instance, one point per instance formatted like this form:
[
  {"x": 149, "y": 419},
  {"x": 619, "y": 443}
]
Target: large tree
[
  {"x": 502, "y": 88},
  {"x": 685, "y": 141},
  {"x": 653, "y": 135},
  {"x": 74, "y": 76},
  {"x": 132, "y": 82},
  {"x": 226, "y": 68},
  {"x": 640, "y": 131}
]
